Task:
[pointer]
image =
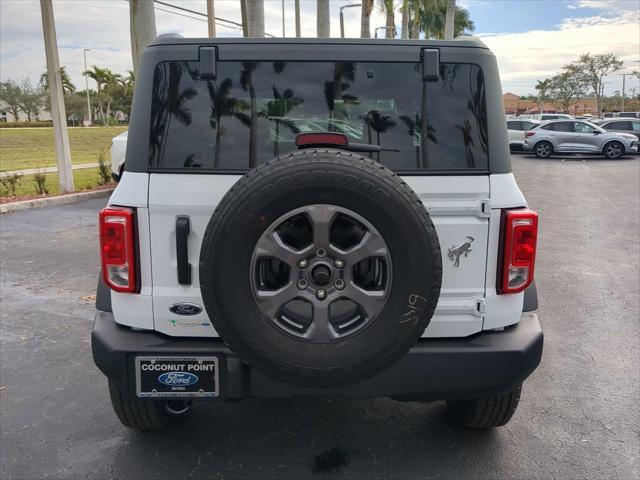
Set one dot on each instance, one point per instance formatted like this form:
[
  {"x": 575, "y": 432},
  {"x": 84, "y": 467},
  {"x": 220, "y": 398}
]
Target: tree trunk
[
  {"x": 322, "y": 18},
  {"x": 297, "y": 8},
  {"x": 142, "y": 25},
  {"x": 216, "y": 156},
  {"x": 449, "y": 20},
  {"x": 365, "y": 13},
  {"x": 390, "y": 31},
  {"x": 255, "y": 17},
  {"x": 405, "y": 20}
]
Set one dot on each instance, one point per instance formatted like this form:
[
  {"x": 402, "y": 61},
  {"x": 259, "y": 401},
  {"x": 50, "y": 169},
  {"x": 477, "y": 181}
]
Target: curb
[{"x": 57, "y": 200}]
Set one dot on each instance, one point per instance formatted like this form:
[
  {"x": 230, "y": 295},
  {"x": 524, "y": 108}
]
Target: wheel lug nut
[
  {"x": 303, "y": 263},
  {"x": 302, "y": 284},
  {"x": 321, "y": 294},
  {"x": 339, "y": 284},
  {"x": 321, "y": 252},
  {"x": 338, "y": 263}
]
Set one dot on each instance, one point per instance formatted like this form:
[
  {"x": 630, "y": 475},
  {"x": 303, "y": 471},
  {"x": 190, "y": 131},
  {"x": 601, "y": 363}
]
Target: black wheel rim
[{"x": 321, "y": 273}]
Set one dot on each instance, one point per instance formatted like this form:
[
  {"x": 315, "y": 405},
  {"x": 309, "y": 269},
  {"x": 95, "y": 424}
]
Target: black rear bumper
[{"x": 436, "y": 369}]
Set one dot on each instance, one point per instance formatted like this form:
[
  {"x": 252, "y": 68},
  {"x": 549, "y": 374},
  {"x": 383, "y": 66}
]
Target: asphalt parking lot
[{"x": 579, "y": 416}]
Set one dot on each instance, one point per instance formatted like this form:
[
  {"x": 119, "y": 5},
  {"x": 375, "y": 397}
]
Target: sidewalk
[{"x": 31, "y": 171}]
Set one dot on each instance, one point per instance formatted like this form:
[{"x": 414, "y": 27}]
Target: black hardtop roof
[{"x": 460, "y": 42}]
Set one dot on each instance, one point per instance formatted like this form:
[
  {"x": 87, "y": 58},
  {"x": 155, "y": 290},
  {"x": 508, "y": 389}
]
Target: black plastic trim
[
  {"x": 208, "y": 63},
  {"x": 530, "y": 298},
  {"x": 103, "y": 295},
  {"x": 183, "y": 229},
  {"x": 471, "y": 367},
  {"x": 430, "y": 64},
  {"x": 407, "y": 173}
]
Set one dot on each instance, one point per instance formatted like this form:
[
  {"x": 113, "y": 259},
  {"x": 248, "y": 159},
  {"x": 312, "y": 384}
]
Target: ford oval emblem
[
  {"x": 185, "y": 309},
  {"x": 178, "y": 379}
]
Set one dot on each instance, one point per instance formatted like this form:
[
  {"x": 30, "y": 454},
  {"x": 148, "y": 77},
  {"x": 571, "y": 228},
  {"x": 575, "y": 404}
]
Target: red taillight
[
  {"x": 529, "y": 134},
  {"x": 117, "y": 248},
  {"x": 324, "y": 139},
  {"x": 519, "y": 234}
]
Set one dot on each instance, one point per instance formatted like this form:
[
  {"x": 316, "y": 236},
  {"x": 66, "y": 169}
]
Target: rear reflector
[
  {"x": 117, "y": 248},
  {"x": 519, "y": 236},
  {"x": 322, "y": 139}
]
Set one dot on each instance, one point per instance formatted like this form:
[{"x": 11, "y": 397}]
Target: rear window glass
[{"x": 254, "y": 110}]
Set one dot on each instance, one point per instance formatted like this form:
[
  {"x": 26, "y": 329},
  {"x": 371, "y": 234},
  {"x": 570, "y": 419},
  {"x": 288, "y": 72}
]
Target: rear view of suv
[{"x": 317, "y": 217}]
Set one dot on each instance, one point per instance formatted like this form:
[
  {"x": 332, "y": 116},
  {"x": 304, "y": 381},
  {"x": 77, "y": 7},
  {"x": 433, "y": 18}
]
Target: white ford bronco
[{"x": 317, "y": 217}]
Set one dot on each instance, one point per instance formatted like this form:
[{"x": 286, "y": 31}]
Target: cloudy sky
[{"x": 532, "y": 39}]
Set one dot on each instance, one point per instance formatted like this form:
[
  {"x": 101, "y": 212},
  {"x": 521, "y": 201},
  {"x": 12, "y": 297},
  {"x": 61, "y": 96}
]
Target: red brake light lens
[
  {"x": 311, "y": 139},
  {"x": 529, "y": 134},
  {"x": 117, "y": 248},
  {"x": 520, "y": 234}
]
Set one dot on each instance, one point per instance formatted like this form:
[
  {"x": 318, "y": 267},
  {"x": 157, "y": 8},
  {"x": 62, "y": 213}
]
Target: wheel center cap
[{"x": 321, "y": 275}]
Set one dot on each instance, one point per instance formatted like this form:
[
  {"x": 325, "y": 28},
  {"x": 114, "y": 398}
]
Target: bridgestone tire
[
  {"x": 490, "y": 412},
  {"x": 144, "y": 415},
  {"x": 311, "y": 177}
]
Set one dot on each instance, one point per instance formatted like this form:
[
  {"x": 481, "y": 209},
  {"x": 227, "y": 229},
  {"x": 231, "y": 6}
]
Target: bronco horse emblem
[{"x": 462, "y": 249}]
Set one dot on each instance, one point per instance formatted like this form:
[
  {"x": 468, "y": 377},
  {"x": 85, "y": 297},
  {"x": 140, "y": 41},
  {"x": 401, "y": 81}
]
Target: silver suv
[{"x": 578, "y": 136}]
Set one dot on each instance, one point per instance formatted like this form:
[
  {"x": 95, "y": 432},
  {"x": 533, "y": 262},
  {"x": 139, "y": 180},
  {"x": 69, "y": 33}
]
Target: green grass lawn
[
  {"x": 21, "y": 149},
  {"x": 84, "y": 179}
]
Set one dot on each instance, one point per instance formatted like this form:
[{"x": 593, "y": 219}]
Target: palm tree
[
  {"x": 379, "y": 123},
  {"x": 467, "y": 140},
  {"x": 322, "y": 16},
  {"x": 449, "y": 19},
  {"x": 429, "y": 16},
  {"x": 543, "y": 87},
  {"x": 246, "y": 82},
  {"x": 67, "y": 86},
  {"x": 255, "y": 17},
  {"x": 388, "y": 7},
  {"x": 221, "y": 104},
  {"x": 101, "y": 77},
  {"x": 277, "y": 109},
  {"x": 365, "y": 14},
  {"x": 405, "y": 19},
  {"x": 413, "y": 127}
]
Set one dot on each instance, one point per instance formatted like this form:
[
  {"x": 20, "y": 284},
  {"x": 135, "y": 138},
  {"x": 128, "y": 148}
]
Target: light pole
[
  {"x": 86, "y": 82},
  {"x": 624, "y": 77},
  {"x": 385, "y": 28},
  {"x": 342, "y": 16}
]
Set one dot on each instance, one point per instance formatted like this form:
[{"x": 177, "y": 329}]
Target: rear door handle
[{"x": 183, "y": 229}]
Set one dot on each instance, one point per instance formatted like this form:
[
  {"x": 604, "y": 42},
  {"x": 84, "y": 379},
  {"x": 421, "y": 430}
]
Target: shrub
[
  {"x": 47, "y": 123},
  {"x": 40, "y": 180},
  {"x": 10, "y": 182},
  {"x": 104, "y": 169}
]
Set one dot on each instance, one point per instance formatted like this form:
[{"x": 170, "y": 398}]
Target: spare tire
[{"x": 320, "y": 268}]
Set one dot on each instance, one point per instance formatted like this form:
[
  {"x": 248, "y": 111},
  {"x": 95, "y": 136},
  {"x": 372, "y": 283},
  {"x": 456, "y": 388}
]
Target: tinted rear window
[{"x": 253, "y": 112}]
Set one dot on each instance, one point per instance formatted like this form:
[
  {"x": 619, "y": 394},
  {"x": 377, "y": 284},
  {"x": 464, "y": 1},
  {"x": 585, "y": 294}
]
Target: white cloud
[
  {"x": 103, "y": 26},
  {"x": 526, "y": 57}
]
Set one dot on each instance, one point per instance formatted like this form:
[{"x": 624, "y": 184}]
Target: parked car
[
  {"x": 578, "y": 136},
  {"x": 629, "y": 114},
  {"x": 545, "y": 117},
  {"x": 118, "y": 150},
  {"x": 622, "y": 125},
  {"x": 317, "y": 248},
  {"x": 516, "y": 129}
]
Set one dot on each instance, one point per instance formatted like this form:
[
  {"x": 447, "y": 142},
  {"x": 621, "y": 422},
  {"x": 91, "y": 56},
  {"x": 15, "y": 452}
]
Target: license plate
[{"x": 177, "y": 377}]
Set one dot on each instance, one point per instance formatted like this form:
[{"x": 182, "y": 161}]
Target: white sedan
[
  {"x": 516, "y": 128},
  {"x": 118, "y": 150}
]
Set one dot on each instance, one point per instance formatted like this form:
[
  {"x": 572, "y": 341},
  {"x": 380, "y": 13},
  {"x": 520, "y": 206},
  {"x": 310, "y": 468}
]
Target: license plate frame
[{"x": 178, "y": 376}]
